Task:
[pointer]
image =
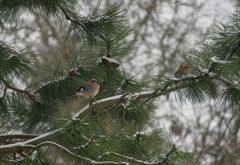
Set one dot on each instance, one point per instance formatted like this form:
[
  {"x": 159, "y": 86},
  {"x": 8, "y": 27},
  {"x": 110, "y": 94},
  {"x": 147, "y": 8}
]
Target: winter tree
[{"x": 43, "y": 121}]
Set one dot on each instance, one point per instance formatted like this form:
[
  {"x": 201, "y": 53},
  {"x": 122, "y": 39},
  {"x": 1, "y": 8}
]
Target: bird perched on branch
[
  {"x": 88, "y": 89},
  {"x": 109, "y": 61},
  {"x": 72, "y": 73},
  {"x": 182, "y": 70}
]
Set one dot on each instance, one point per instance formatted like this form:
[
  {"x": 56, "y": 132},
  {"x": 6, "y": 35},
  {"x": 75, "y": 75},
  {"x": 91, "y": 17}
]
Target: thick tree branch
[
  {"x": 17, "y": 136},
  {"x": 29, "y": 144},
  {"x": 131, "y": 159},
  {"x": 169, "y": 87},
  {"x": 41, "y": 140}
]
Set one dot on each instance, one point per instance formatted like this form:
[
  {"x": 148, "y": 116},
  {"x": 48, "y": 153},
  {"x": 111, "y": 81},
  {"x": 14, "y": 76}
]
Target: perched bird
[
  {"x": 183, "y": 69},
  {"x": 88, "y": 89},
  {"x": 109, "y": 61},
  {"x": 72, "y": 73}
]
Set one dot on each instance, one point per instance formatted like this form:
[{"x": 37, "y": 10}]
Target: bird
[
  {"x": 88, "y": 89},
  {"x": 72, "y": 73},
  {"x": 109, "y": 61},
  {"x": 182, "y": 70}
]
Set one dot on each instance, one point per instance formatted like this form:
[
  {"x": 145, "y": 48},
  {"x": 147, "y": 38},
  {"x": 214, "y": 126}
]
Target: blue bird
[{"x": 88, "y": 89}]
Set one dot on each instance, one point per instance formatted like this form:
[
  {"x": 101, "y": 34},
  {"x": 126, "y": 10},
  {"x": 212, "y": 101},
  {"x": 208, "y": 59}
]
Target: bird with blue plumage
[{"x": 88, "y": 89}]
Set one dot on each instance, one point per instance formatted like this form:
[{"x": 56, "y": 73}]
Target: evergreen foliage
[{"x": 119, "y": 132}]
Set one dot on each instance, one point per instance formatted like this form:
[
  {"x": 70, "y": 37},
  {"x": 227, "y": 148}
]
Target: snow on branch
[
  {"x": 29, "y": 144},
  {"x": 38, "y": 141},
  {"x": 169, "y": 87},
  {"x": 216, "y": 60}
]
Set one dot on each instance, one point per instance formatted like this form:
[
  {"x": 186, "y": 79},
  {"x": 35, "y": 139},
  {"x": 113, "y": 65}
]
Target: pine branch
[
  {"x": 1, "y": 22},
  {"x": 26, "y": 92},
  {"x": 17, "y": 136},
  {"x": 134, "y": 160},
  {"x": 95, "y": 28},
  {"x": 92, "y": 28},
  {"x": 91, "y": 161},
  {"x": 171, "y": 150},
  {"x": 71, "y": 74},
  {"x": 41, "y": 140},
  {"x": 13, "y": 63},
  {"x": 225, "y": 39},
  {"x": 131, "y": 159},
  {"x": 10, "y": 9},
  {"x": 83, "y": 146},
  {"x": 227, "y": 83},
  {"x": 147, "y": 94},
  {"x": 68, "y": 17},
  {"x": 29, "y": 144}
]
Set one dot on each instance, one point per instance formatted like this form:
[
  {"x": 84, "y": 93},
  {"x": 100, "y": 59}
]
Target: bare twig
[
  {"x": 28, "y": 93},
  {"x": 171, "y": 150},
  {"x": 83, "y": 146},
  {"x": 78, "y": 156}
]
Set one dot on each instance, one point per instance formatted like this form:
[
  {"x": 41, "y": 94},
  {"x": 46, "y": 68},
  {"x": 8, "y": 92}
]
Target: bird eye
[{"x": 82, "y": 89}]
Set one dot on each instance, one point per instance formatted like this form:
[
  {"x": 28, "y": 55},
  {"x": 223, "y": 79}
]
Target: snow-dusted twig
[
  {"x": 110, "y": 101},
  {"x": 142, "y": 95},
  {"x": 134, "y": 160},
  {"x": 29, "y": 144},
  {"x": 91, "y": 161},
  {"x": 83, "y": 146},
  {"x": 216, "y": 60},
  {"x": 17, "y": 136}
]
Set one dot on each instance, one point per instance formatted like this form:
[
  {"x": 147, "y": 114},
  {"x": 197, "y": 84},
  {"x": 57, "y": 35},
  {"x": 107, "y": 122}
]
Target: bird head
[{"x": 89, "y": 89}]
